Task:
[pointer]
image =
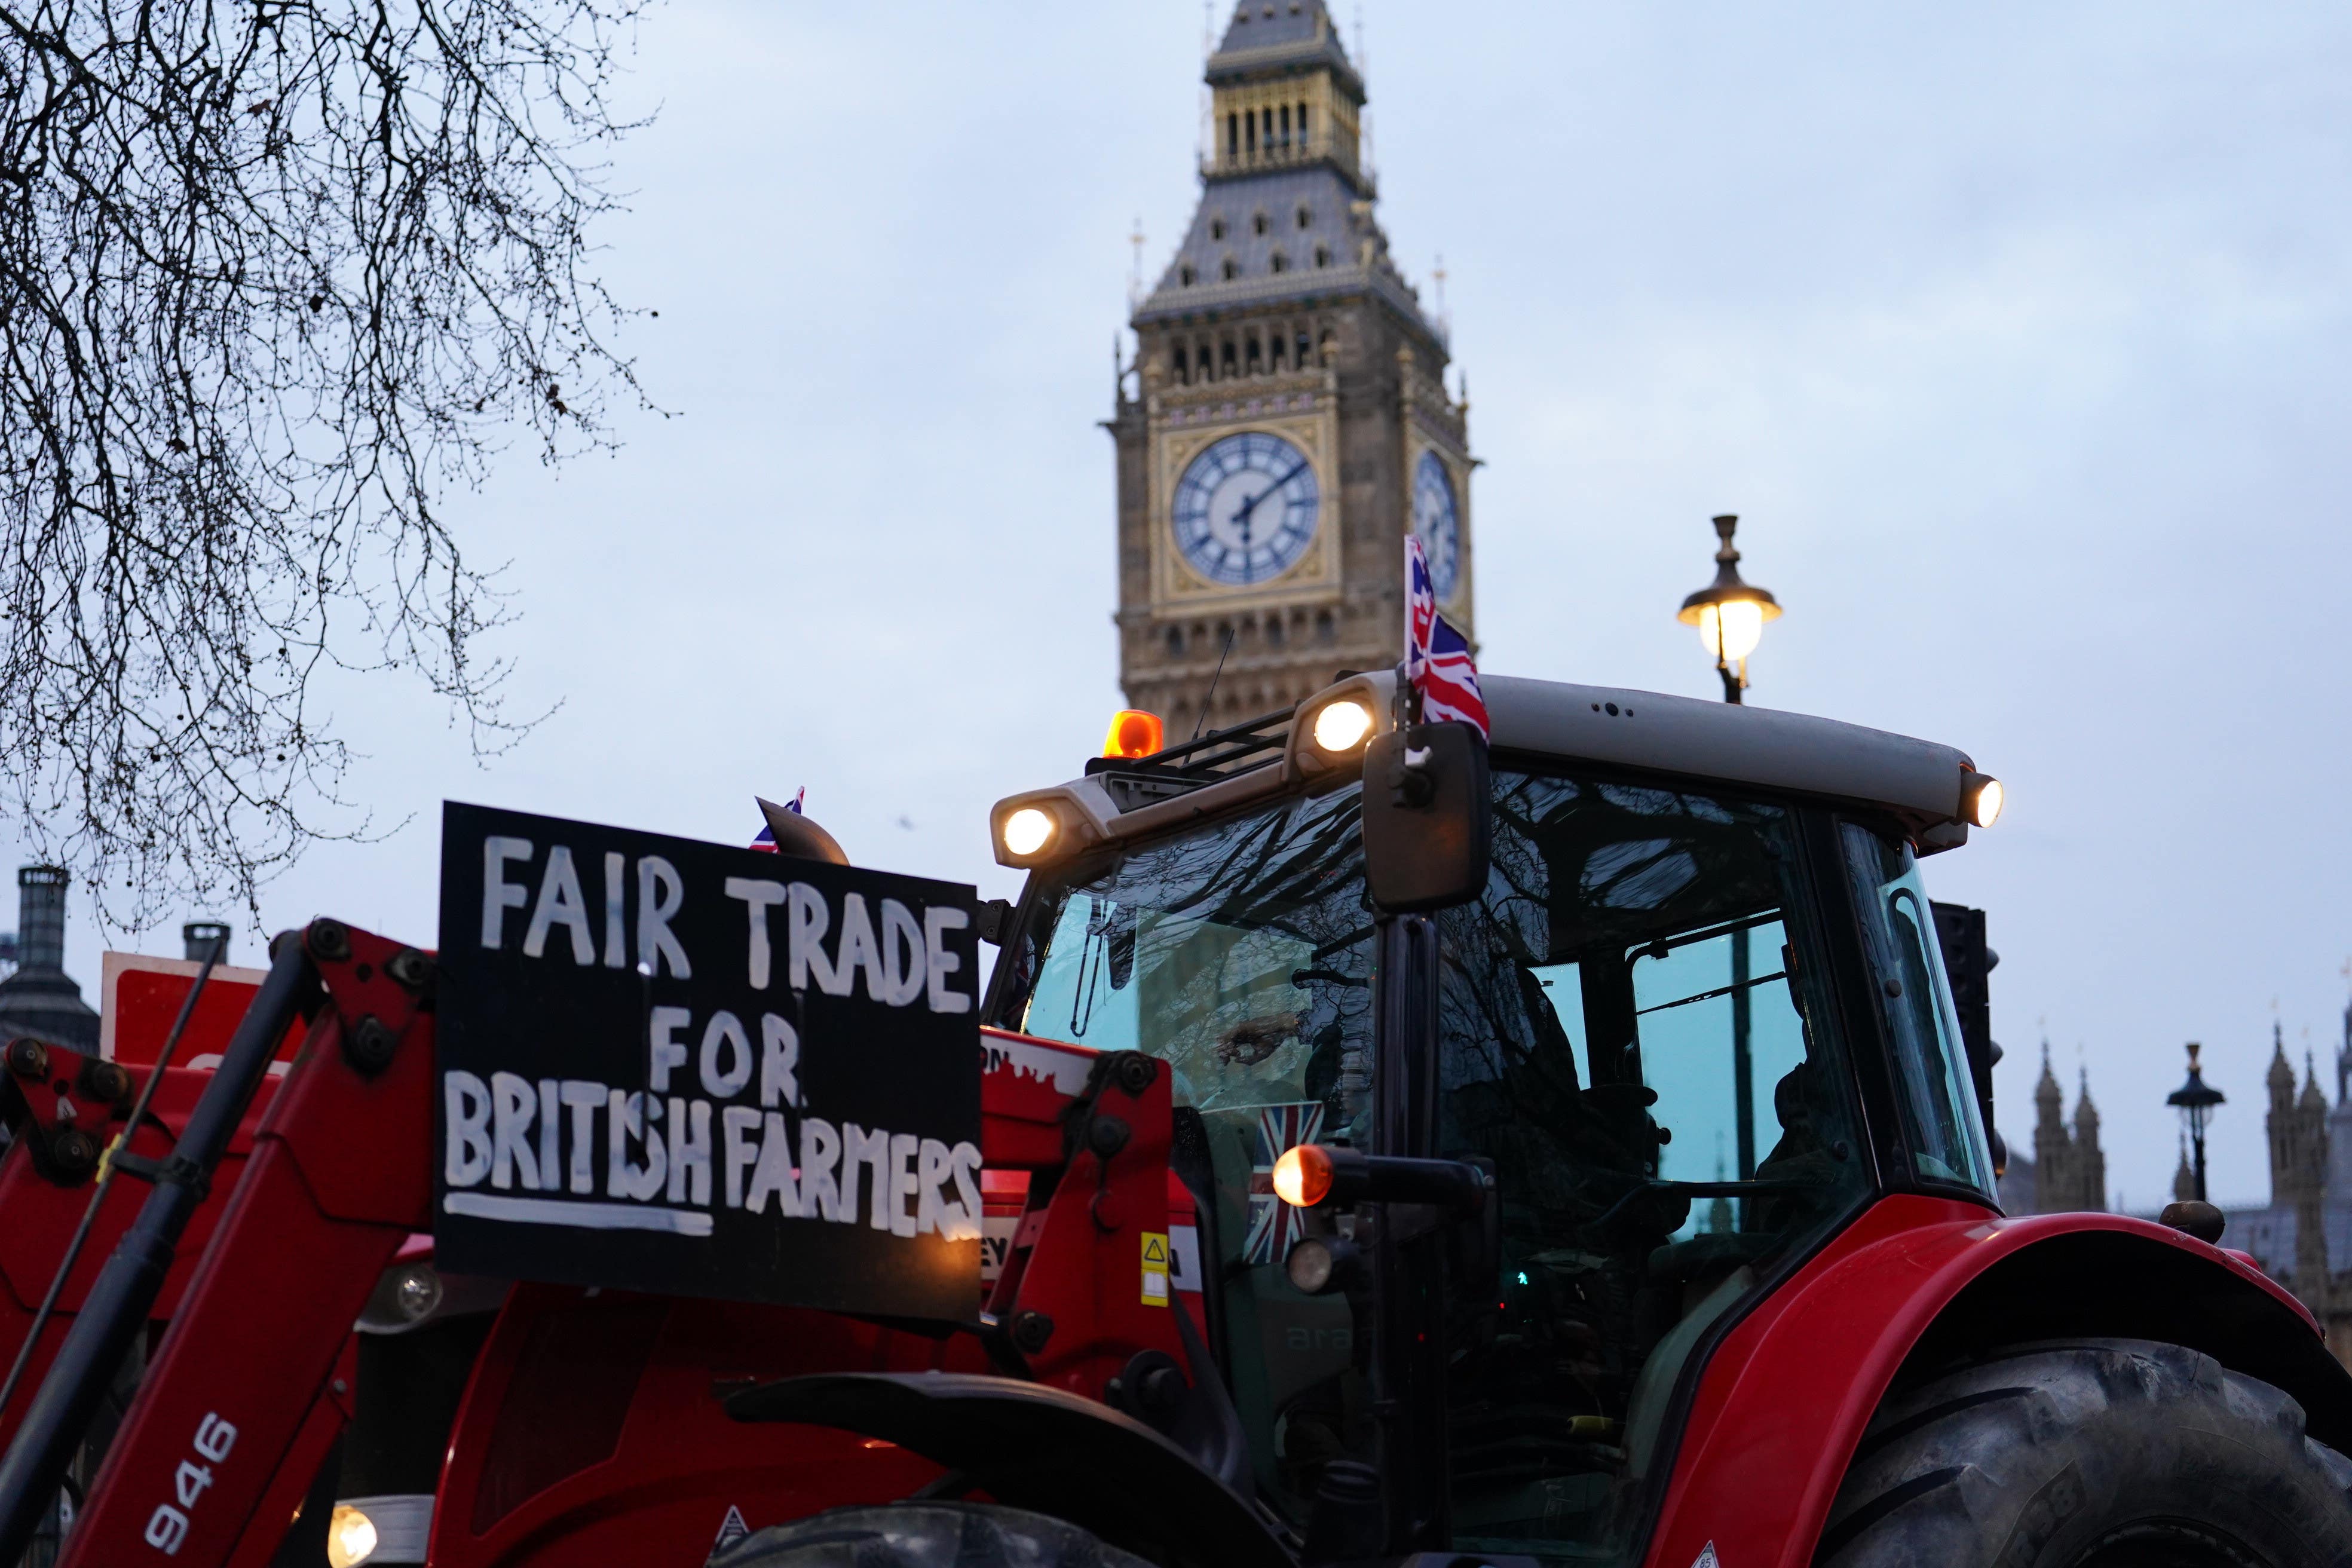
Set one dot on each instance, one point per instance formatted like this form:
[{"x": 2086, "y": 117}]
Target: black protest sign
[{"x": 688, "y": 1068}]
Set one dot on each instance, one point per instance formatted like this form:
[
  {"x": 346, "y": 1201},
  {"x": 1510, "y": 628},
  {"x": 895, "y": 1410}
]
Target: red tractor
[{"x": 1575, "y": 1152}]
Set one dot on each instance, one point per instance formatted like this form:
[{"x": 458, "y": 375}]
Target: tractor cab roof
[
  {"x": 1930, "y": 789},
  {"x": 1920, "y": 782}
]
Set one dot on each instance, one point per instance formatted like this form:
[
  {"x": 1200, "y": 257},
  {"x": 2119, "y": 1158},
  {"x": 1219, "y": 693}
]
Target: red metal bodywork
[
  {"x": 593, "y": 1430},
  {"x": 140, "y": 996},
  {"x": 1785, "y": 1398},
  {"x": 40, "y": 1217}
]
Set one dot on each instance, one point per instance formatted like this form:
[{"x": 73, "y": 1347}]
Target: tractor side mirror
[
  {"x": 1310, "y": 1174},
  {"x": 1428, "y": 818},
  {"x": 1461, "y": 1192},
  {"x": 1968, "y": 965}
]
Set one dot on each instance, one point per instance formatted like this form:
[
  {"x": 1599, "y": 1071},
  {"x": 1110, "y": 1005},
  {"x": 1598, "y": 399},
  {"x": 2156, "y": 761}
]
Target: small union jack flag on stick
[{"x": 1437, "y": 658}]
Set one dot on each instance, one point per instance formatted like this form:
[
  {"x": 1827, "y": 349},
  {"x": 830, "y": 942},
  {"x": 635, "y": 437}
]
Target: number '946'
[{"x": 167, "y": 1527}]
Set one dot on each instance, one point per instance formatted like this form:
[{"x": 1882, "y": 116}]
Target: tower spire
[{"x": 2344, "y": 1051}]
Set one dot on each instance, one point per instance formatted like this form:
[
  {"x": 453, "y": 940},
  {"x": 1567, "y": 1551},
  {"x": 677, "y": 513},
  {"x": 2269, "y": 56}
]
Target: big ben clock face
[
  {"x": 1245, "y": 508},
  {"x": 1437, "y": 519}
]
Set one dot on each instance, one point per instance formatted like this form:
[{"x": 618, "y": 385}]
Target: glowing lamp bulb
[
  {"x": 1027, "y": 830},
  {"x": 1731, "y": 630},
  {"x": 1340, "y": 726},
  {"x": 1302, "y": 1176},
  {"x": 1133, "y": 733},
  {"x": 1984, "y": 810},
  {"x": 351, "y": 1537}
]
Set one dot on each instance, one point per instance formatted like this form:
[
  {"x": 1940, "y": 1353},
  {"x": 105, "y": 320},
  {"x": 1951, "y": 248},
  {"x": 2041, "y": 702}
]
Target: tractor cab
[{"x": 1662, "y": 974}]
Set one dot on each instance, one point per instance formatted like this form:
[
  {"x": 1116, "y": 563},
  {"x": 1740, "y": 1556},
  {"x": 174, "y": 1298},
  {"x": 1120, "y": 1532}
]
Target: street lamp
[
  {"x": 1730, "y": 614},
  {"x": 2195, "y": 1100}
]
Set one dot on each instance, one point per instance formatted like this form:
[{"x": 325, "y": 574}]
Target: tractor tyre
[
  {"x": 925, "y": 1535},
  {"x": 2090, "y": 1454}
]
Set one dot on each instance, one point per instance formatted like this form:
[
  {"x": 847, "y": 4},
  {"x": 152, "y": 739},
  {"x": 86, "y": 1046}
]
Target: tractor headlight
[
  {"x": 1027, "y": 831},
  {"x": 1342, "y": 726},
  {"x": 1321, "y": 1264},
  {"x": 1981, "y": 798}
]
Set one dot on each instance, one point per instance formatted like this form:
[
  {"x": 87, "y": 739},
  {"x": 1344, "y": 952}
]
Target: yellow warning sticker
[{"x": 1155, "y": 1269}]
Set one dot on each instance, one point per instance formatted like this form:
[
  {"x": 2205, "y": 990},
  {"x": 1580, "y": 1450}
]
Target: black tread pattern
[
  {"x": 2032, "y": 1457},
  {"x": 1882, "y": 1433},
  {"x": 1878, "y": 1508}
]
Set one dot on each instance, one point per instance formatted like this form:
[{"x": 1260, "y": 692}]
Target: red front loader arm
[{"x": 245, "y": 1396}]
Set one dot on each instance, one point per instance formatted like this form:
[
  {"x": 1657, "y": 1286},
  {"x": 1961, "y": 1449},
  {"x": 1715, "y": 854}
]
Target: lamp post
[
  {"x": 2195, "y": 1100},
  {"x": 1730, "y": 614}
]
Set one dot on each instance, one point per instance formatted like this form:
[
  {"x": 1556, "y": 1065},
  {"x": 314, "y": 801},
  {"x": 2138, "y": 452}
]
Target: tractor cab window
[
  {"x": 1634, "y": 1029},
  {"x": 1240, "y": 955},
  {"x": 1923, "y": 1028}
]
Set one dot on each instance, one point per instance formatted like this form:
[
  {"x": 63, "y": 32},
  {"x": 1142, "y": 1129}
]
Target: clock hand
[{"x": 1243, "y": 516}]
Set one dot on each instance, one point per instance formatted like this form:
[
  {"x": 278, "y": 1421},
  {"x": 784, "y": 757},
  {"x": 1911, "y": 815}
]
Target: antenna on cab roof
[{"x": 1213, "y": 678}]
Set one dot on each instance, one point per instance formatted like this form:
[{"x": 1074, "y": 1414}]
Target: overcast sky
[{"x": 2017, "y": 335}]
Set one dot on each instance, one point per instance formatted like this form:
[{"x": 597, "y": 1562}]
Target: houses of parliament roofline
[{"x": 2302, "y": 1236}]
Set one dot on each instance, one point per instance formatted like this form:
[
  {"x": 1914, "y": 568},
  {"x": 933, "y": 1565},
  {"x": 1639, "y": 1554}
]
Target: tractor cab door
[{"x": 1636, "y": 1027}]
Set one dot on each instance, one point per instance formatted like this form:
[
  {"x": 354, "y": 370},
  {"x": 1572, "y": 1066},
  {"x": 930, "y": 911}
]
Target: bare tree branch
[{"x": 275, "y": 276}]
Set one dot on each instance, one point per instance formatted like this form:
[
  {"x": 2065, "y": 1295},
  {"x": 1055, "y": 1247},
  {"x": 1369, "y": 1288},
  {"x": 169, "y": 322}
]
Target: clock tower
[{"x": 1286, "y": 418}]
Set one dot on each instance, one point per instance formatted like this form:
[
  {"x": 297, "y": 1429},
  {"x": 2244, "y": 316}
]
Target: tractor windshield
[
  {"x": 1241, "y": 955},
  {"x": 1634, "y": 1027}
]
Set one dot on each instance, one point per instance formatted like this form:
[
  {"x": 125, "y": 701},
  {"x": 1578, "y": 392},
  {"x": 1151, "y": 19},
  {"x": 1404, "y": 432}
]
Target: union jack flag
[
  {"x": 765, "y": 839},
  {"x": 1274, "y": 1226},
  {"x": 1437, "y": 658}
]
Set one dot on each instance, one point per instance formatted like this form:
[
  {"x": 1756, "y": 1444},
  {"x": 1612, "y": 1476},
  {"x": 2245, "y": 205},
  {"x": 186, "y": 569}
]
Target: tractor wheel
[
  {"x": 925, "y": 1535},
  {"x": 2090, "y": 1454}
]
